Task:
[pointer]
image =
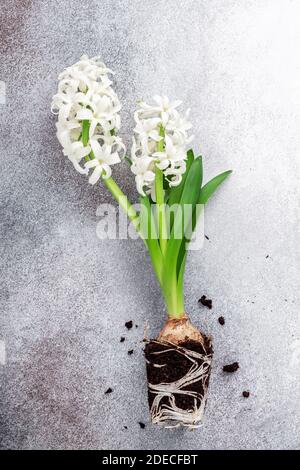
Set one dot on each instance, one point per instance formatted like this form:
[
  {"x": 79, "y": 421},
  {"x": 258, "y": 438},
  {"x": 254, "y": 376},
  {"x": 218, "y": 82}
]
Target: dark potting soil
[
  {"x": 205, "y": 301},
  {"x": 142, "y": 425},
  {"x": 231, "y": 367},
  {"x": 130, "y": 352},
  {"x": 246, "y": 394},
  {"x": 129, "y": 325},
  {"x": 109, "y": 390},
  {"x": 122, "y": 339},
  {"x": 174, "y": 366},
  {"x": 221, "y": 320}
]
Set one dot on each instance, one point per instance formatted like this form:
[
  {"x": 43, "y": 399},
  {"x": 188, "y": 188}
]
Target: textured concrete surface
[{"x": 65, "y": 295}]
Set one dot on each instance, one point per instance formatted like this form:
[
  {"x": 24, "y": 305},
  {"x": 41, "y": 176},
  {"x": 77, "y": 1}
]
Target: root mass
[{"x": 178, "y": 378}]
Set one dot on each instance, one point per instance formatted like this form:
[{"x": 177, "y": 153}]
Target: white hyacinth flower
[
  {"x": 142, "y": 168},
  {"x": 88, "y": 118},
  {"x": 161, "y": 139}
]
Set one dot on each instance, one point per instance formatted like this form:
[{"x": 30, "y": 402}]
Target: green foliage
[
  {"x": 149, "y": 233},
  {"x": 169, "y": 255},
  {"x": 210, "y": 187},
  {"x": 190, "y": 195},
  {"x": 176, "y": 191}
]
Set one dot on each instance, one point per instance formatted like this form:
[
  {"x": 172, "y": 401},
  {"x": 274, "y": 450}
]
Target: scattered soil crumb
[
  {"x": 122, "y": 339},
  {"x": 109, "y": 390},
  {"x": 142, "y": 425},
  {"x": 221, "y": 320},
  {"x": 246, "y": 394},
  {"x": 130, "y": 352},
  {"x": 125, "y": 427},
  {"x": 231, "y": 367},
  {"x": 267, "y": 256},
  {"x": 205, "y": 301},
  {"x": 207, "y": 238},
  {"x": 136, "y": 326},
  {"x": 128, "y": 325}
]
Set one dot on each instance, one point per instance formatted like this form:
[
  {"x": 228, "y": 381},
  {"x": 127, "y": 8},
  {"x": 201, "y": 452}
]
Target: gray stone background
[{"x": 65, "y": 295}]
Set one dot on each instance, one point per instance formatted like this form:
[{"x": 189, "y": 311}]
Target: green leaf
[
  {"x": 191, "y": 190},
  {"x": 210, "y": 187},
  {"x": 181, "y": 257},
  {"x": 180, "y": 283},
  {"x": 176, "y": 191},
  {"x": 206, "y": 192},
  {"x": 150, "y": 236},
  {"x": 191, "y": 224},
  {"x": 175, "y": 252}
]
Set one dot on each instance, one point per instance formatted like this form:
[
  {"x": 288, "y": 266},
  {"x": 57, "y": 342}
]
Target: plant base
[{"x": 178, "y": 374}]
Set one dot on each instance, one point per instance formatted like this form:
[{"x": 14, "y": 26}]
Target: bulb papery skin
[
  {"x": 179, "y": 330},
  {"x": 151, "y": 122},
  {"x": 85, "y": 95}
]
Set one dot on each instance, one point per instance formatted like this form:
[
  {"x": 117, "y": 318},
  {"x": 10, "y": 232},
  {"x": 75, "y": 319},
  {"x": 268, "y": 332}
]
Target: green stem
[
  {"x": 160, "y": 199},
  {"x": 180, "y": 289},
  {"x": 173, "y": 294},
  {"x": 111, "y": 184},
  {"x": 159, "y": 192},
  {"x": 172, "y": 286},
  {"x": 123, "y": 201},
  {"x": 85, "y": 135},
  {"x": 85, "y": 132}
]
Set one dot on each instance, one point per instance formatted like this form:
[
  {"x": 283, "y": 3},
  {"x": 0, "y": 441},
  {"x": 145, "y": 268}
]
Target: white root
[{"x": 168, "y": 413}]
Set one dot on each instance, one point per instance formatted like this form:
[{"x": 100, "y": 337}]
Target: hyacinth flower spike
[{"x": 88, "y": 111}]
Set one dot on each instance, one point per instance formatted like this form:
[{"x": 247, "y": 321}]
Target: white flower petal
[
  {"x": 77, "y": 167},
  {"x": 149, "y": 176},
  {"x": 84, "y": 114},
  {"x": 107, "y": 171},
  {"x": 159, "y": 100},
  {"x": 91, "y": 163},
  {"x": 164, "y": 118},
  {"x": 95, "y": 176},
  {"x": 140, "y": 185},
  {"x": 96, "y": 148},
  {"x": 163, "y": 165},
  {"x": 114, "y": 158},
  {"x": 176, "y": 103}
]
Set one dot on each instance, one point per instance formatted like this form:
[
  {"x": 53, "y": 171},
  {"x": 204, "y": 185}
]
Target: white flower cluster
[
  {"x": 88, "y": 117},
  {"x": 159, "y": 123}
]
